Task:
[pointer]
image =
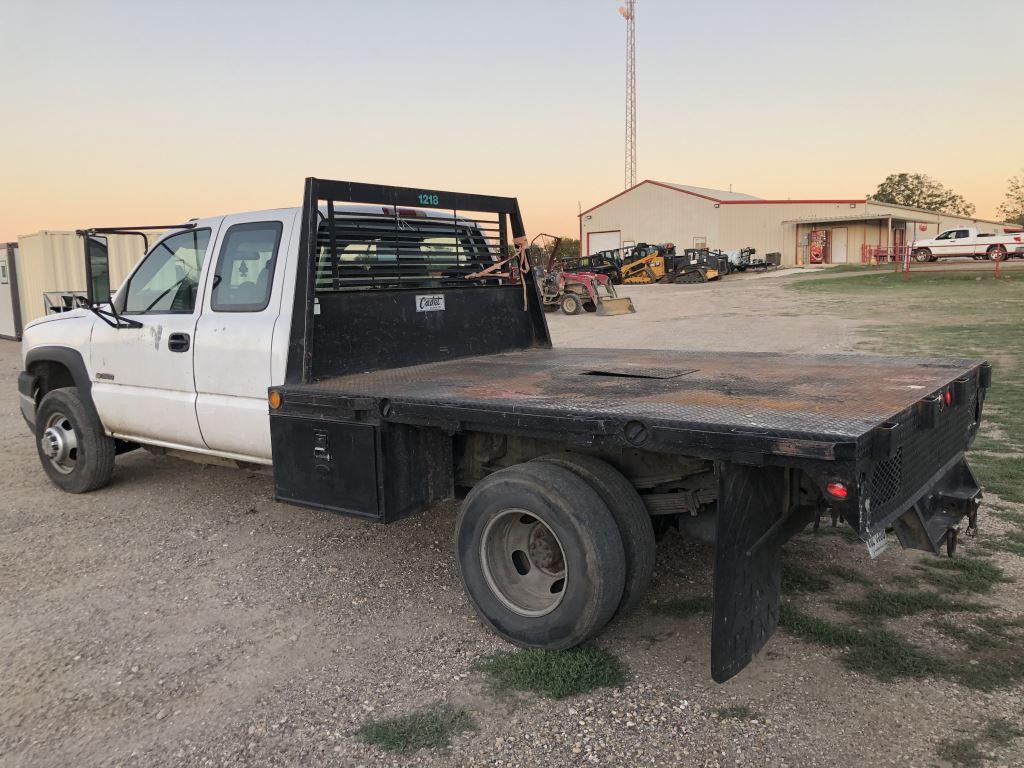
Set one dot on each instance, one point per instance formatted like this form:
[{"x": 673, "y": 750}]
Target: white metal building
[{"x": 803, "y": 231}]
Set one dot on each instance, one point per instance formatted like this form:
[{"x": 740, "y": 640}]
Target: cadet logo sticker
[{"x": 433, "y": 302}]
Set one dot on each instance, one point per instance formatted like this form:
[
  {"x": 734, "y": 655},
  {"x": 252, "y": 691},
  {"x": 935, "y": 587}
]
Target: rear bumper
[{"x": 27, "y": 398}]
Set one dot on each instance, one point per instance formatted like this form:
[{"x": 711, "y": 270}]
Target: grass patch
[
  {"x": 889, "y": 657},
  {"x": 884, "y": 604},
  {"x": 738, "y": 712},
  {"x": 797, "y": 579},
  {"x": 1002, "y": 732},
  {"x": 1002, "y": 475},
  {"x": 1011, "y": 543},
  {"x": 554, "y": 674},
  {"x": 967, "y": 752},
  {"x": 876, "y": 652},
  {"x": 848, "y": 575},
  {"x": 408, "y": 733},
  {"x": 1009, "y": 516},
  {"x": 962, "y": 574},
  {"x": 963, "y": 753},
  {"x": 684, "y": 606},
  {"x": 975, "y": 639}
]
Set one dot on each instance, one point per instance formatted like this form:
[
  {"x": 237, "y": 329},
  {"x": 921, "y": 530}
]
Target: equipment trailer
[{"x": 426, "y": 372}]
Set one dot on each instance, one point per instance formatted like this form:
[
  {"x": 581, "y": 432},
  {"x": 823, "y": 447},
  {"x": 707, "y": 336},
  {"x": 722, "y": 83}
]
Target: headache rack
[
  {"x": 367, "y": 252},
  {"x": 369, "y": 236}
]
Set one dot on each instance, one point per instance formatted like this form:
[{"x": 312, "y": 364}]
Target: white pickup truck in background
[{"x": 968, "y": 241}]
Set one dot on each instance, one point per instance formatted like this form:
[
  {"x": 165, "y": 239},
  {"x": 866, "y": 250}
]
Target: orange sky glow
[{"x": 114, "y": 114}]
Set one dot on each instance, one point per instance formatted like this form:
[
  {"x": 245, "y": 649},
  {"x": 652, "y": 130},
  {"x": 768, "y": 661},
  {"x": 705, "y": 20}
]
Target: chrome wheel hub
[
  {"x": 523, "y": 563},
  {"x": 59, "y": 443}
]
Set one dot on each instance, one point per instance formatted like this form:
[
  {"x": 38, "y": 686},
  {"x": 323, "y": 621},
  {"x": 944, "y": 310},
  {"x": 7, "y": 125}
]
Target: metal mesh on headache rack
[{"x": 365, "y": 247}]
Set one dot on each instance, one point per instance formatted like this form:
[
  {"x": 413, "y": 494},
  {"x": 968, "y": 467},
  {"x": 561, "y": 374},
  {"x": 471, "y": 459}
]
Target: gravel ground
[{"x": 180, "y": 617}]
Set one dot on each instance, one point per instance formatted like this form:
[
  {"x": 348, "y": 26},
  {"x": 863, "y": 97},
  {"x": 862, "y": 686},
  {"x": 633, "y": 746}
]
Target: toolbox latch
[{"x": 321, "y": 445}]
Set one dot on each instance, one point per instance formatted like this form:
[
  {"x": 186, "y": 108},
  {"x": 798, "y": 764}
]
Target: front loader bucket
[{"x": 622, "y": 305}]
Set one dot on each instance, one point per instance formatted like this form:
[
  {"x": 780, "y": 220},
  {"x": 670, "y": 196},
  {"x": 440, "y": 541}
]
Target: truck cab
[{"x": 210, "y": 306}]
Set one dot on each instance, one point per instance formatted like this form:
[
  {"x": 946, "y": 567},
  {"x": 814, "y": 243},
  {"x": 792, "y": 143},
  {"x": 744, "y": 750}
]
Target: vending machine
[{"x": 818, "y": 247}]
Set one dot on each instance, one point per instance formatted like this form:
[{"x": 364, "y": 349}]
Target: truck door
[
  {"x": 234, "y": 337},
  {"x": 143, "y": 383},
  {"x": 963, "y": 243}
]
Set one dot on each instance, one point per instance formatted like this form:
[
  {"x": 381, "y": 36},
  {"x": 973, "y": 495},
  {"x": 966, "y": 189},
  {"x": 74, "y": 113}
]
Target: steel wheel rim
[
  {"x": 59, "y": 443},
  {"x": 523, "y": 563}
]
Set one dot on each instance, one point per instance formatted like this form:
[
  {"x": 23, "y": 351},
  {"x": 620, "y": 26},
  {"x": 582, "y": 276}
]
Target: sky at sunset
[{"x": 118, "y": 113}]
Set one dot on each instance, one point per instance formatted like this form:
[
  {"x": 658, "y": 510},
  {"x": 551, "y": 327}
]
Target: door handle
[{"x": 179, "y": 342}]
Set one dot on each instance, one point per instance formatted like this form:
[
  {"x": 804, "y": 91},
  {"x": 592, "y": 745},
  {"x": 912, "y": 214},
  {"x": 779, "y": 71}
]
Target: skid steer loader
[{"x": 659, "y": 264}]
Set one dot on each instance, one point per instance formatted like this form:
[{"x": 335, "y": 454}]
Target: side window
[
  {"x": 961, "y": 234},
  {"x": 245, "y": 267},
  {"x": 945, "y": 236},
  {"x": 168, "y": 278}
]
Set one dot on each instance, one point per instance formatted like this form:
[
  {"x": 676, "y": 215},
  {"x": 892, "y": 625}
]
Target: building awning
[{"x": 861, "y": 217}]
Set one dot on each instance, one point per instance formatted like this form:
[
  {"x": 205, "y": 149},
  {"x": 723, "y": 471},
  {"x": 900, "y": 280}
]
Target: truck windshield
[{"x": 366, "y": 252}]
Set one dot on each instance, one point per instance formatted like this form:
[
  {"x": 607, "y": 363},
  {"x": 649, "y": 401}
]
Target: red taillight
[
  {"x": 949, "y": 397},
  {"x": 837, "y": 491},
  {"x": 406, "y": 212}
]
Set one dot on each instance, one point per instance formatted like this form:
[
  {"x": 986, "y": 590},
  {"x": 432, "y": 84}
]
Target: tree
[
  {"x": 917, "y": 190},
  {"x": 1012, "y": 208},
  {"x": 540, "y": 251}
]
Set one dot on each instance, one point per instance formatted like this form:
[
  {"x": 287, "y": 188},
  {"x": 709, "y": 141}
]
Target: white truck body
[{"x": 969, "y": 241}]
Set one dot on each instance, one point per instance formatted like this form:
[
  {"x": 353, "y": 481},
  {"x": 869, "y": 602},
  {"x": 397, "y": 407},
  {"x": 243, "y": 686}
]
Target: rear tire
[
  {"x": 997, "y": 253},
  {"x": 540, "y": 556},
  {"x": 635, "y": 525},
  {"x": 75, "y": 452}
]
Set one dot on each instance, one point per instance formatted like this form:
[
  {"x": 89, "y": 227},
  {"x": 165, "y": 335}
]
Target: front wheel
[
  {"x": 571, "y": 304},
  {"x": 540, "y": 556},
  {"x": 922, "y": 255},
  {"x": 75, "y": 452}
]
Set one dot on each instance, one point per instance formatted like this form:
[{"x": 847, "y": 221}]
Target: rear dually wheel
[{"x": 540, "y": 556}]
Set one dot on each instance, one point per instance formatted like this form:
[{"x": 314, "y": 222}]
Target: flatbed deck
[{"x": 837, "y": 399}]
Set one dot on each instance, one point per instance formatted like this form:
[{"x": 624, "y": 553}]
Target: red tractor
[{"x": 577, "y": 291}]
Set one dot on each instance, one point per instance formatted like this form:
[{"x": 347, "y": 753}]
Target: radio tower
[{"x": 628, "y": 12}]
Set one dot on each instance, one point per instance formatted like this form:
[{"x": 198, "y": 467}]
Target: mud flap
[{"x": 752, "y": 527}]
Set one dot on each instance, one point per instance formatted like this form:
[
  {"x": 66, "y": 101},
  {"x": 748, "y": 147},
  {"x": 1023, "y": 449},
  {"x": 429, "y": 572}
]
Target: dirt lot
[{"x": 181, "y": 617}]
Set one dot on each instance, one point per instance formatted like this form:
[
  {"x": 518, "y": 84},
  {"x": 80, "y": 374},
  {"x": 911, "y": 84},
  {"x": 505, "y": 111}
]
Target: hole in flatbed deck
[{"x": 640, "y": 373}]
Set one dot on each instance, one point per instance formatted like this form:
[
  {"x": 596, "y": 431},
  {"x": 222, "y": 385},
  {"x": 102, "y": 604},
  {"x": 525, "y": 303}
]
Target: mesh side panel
[{"x": 887, "y": 479}]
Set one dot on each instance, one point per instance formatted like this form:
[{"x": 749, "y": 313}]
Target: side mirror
[
  {"x": 97, "y": 277},
  {"x": 97, "y": 269}
]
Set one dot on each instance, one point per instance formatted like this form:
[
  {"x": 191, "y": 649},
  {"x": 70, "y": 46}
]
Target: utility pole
[{"x": 628, "y": 12}]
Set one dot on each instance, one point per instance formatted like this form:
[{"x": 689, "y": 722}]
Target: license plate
[{"x": 877, "y": 544}]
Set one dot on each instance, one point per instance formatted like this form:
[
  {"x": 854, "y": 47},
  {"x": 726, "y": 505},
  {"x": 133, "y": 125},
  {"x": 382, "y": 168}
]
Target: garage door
[{"x": 603, "y": 241}]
